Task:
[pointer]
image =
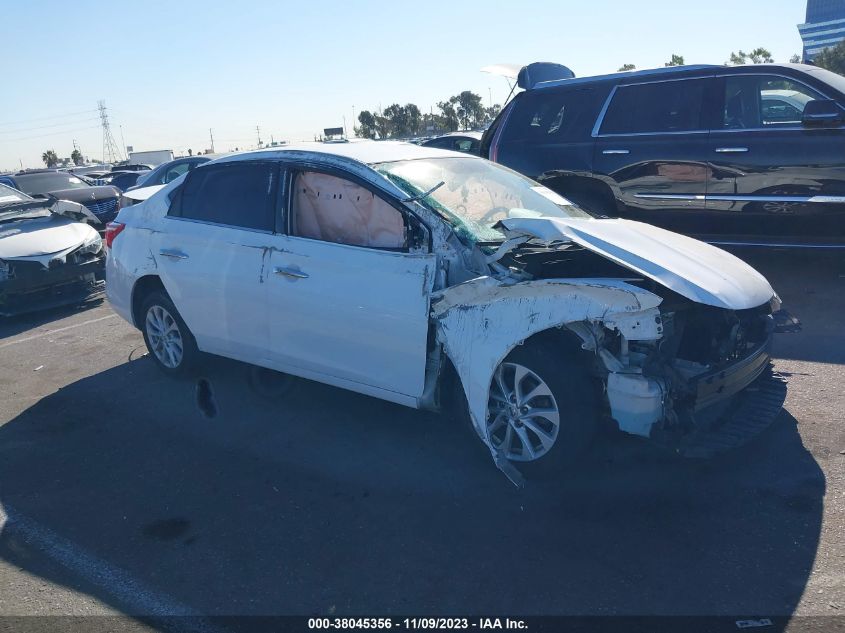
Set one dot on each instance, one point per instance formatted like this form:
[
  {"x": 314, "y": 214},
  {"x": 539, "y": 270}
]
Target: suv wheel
[{"x": 168, "y": 339}]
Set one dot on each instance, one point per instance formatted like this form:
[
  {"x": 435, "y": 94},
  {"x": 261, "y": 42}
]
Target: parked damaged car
[
  {"x": 50, "y": 255},
  {"x": 444, "y": 281},
  {"x": 102, "y": 201}
]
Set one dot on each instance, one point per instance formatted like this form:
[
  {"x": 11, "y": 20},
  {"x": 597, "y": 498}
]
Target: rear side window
[
  {"x": 238, "y": 194},
  {"x": 552, "y": 116},
  {"x": 654, "y": 108}
]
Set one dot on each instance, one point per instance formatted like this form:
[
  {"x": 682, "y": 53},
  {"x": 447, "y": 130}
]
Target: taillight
[{"x": 113, "y": 229}]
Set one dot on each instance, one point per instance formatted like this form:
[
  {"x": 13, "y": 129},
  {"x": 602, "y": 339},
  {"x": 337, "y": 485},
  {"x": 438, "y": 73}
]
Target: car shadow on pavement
[{"x": 330, "y": 502}]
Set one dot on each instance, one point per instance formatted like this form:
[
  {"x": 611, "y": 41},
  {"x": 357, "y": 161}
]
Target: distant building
[{"x": 824, "y": 26}]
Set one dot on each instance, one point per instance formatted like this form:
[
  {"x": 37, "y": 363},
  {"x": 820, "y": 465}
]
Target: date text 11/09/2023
[{"x": 435, "y": 624}]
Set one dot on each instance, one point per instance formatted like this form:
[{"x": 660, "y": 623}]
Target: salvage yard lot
[{"x": 331, "y": 502}]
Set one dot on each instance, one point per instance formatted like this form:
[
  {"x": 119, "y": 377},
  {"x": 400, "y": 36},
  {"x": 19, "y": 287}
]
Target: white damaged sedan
[
  {"x": 437, "y": 280},
  {"x": 50, "y": 254}
]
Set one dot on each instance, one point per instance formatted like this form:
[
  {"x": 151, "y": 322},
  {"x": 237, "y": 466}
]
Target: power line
[
  {"x": 43, "y": 127},
  {"x": 56, "y": 133},
  {"x": 44, "y": 118}
]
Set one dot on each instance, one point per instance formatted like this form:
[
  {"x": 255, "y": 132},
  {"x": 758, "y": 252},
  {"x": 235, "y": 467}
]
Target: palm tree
[
  {"x": 76, "y": 157},
  {"x": 50, "y": 158}
]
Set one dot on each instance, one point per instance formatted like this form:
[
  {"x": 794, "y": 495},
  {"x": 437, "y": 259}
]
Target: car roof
[
  {"x": 361, "y": 151},
  {"x": 668, "y": 71}
]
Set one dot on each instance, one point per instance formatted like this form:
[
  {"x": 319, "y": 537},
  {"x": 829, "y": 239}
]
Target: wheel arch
[{"x": 142, "y": 288}]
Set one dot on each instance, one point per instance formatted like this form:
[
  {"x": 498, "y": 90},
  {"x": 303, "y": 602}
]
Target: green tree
[
  {"x": 449, "y": 118},
  {"x": 795, "y": 59},
  {"x": 367, "y": 129},
  {"x": 491, "y": 113},
  {"x": 50, "y": 158},
  {"x": 832, "y": 58},
  {"x": 625, "y": 67},
  {"x": 676, "y": 60},
  {"x": 76, "y": 157},
  {"x": 469, "y": 109},
  {"x": 757, "y": 56}
]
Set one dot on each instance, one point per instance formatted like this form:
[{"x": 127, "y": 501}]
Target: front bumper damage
[
  {"x": 695, "y": 408},
  {"x": 32, "y": 286}
]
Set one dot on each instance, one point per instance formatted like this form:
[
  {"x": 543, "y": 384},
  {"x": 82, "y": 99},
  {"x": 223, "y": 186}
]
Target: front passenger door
[{"x": 348, "y": 294}]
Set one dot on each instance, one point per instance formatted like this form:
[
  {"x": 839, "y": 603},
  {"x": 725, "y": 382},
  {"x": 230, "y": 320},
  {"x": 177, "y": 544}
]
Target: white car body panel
[
  {"x": 43, "y": 238},
  {"x": 482, "y": 320},
  {"x": 141, "y": 194},
  {"x": 215, "y": 281},
  {"x": 695, "y": 270},
  {"x": 360, "y": 315}
]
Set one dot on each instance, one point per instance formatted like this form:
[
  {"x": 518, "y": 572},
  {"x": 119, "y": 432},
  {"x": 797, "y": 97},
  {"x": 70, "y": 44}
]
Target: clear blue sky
[{"x": 170, "y": 70}]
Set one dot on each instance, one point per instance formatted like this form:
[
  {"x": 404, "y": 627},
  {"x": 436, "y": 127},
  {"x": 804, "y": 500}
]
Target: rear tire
[{"x": 169, "y": 341}]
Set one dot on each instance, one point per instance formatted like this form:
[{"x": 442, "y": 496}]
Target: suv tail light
[{"x": 113, "y": 229}]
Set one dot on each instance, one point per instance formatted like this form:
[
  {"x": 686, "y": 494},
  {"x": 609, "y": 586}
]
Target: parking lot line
[
  {"x": 115, "y": 581},
  {"x": 56, "y": 331}
]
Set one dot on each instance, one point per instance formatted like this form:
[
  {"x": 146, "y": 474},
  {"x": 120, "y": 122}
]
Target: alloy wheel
[
  {"x": 164, "y": 336},
  {"x": 523, "y": 419}
]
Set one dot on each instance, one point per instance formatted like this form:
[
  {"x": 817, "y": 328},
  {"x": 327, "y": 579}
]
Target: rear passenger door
[
  {"x": 652, "y": 148},
  {"x": 211, "y": 251}
]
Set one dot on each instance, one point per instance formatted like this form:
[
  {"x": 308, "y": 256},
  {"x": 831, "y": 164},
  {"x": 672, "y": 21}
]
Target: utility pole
[
  {"x": 211, "y": 136},
  {"x": 258, "y": 132}
]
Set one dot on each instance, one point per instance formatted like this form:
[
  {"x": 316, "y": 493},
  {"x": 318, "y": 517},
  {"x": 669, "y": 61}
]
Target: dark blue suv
[{"x": 730, "y": 154}]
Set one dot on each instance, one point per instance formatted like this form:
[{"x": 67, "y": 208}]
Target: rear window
[
  {"x": 47, "y": 182},
  {"x": 654, "y": 108},
  {"x": 552, "y": 116}
]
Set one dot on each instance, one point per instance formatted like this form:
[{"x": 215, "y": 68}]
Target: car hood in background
[
  {"x": 87, "y": 194},
  {"x": 698, "y": 271},
  {"x": 36, "y": 237}
]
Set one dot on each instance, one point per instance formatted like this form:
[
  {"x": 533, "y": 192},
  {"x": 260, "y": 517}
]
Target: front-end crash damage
[
  {"x": 686, "y": 366},
  {"x": 49, "y": 256}
]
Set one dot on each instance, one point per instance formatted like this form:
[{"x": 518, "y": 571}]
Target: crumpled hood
[
  {"x": 32, "y": 238},
  {"x": 698, "y": 271}
]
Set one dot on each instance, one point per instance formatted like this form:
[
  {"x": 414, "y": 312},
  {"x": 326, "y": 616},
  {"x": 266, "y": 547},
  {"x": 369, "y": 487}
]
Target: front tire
[
  {"x": 542, "y": 411},
  {"x": 169, "y": 341}
]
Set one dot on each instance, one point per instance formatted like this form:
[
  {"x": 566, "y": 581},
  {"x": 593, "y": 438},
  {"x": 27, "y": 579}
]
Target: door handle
[
  {"x": 615, "y": 151},
  {"x": 289, "y": 272},
  {"x": 173, "y": 254},
  {"x": 731, "y": 150}
]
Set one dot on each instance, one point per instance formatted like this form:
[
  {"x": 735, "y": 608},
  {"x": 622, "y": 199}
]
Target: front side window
[
  {"x": 238, "y": 194},
  {"x": 473, "y": 195},
  {"x": 754, "y": 101},
  {"x": 654, "y": 108},
  {"x": 332, "y": 209}
]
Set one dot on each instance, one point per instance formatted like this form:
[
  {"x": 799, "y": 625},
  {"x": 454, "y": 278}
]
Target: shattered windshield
[{"x": 475, "y": 194}]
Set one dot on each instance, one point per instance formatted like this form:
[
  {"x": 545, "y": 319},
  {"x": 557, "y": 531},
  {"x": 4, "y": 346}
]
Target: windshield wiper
[{"x": 426, "y": 193}]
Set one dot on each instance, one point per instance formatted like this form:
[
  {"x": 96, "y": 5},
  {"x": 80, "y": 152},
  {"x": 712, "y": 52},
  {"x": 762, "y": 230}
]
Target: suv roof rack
[{"x": 638, "y": 73}]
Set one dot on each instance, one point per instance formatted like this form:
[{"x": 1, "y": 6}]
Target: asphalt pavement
[{"x": 119, "y": 496}]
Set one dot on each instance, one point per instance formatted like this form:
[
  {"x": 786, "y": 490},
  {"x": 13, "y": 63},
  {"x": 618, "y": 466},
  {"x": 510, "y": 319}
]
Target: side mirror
[{"x": 822, "y": 112}]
